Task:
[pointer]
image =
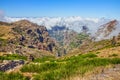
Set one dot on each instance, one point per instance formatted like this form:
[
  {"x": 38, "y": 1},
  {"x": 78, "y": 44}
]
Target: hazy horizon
[{"x": 60, "y": 8}]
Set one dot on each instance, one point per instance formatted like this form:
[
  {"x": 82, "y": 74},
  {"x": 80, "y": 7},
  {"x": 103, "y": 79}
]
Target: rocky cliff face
[
  {"x": 108, "y": 30},
  {"x": 68, "y": 39},
  {"x": 24, "y": 37},
  {"x": 57, "y": 33},
  {"x": 7, "y": 65}
]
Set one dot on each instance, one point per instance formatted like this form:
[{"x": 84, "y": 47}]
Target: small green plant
[
  {"x": 97, "y": 52},
  {"x": 113, "y": 55}
]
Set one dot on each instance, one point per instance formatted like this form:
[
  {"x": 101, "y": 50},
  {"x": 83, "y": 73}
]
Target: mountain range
[
  {"x": 65, "y": 29},
  {"x": 75, "y": 22},
  {"x": 59, "y": 48}
]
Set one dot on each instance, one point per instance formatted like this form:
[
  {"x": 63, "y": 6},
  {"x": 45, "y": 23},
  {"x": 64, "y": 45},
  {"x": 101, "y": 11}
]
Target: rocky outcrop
[
  {"x": 7, "y": 65},
  {"x": 23, "y": 36},
  {"x": 108, "y": 30}
]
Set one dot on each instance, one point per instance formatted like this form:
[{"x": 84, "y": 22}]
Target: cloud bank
[{"x": 75, "y": 22}]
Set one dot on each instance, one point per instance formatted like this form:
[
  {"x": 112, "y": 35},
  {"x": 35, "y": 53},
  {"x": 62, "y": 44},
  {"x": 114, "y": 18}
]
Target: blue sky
[{"x": 62, "y": 8}]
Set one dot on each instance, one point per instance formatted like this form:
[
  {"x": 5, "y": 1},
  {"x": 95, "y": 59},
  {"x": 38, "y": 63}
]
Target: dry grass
[
  {"x": 109, "y": 52},
  {"x": 110, "y": 72},
  {"x": 73, "y": 52},
  {"x": 5, "y": 32}
]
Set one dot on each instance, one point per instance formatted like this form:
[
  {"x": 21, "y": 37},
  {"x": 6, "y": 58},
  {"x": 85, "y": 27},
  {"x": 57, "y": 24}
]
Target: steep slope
[
  {"x": 108, "y": 30},
  {"x": 24, "y": 37},
  {"x": 64, "y": 37},
  {"x": 57, "y": 32},
  {"x": 107, "y": 47}
]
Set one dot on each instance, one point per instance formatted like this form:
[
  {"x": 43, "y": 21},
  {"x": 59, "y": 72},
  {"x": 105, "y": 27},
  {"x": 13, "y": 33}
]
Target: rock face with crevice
[{"x": 24, "y": 36}]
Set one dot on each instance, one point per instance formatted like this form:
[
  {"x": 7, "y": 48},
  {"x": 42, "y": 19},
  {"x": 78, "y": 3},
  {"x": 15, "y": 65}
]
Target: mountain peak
[
  {"x": 25, "y": 23},
  {"x": 108, "y": 30},
  {"x": 112, "y": 23},
  {"x": 20, "y": 34}
]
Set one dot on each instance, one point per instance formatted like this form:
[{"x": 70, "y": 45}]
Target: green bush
[
  {"x": 97, "y": 52},
  {"x": 113, "y": 55}
]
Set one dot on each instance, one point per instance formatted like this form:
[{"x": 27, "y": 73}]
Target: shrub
[
  {"x": 113, "y": 55},
  {"x": 97, "y": 52}
]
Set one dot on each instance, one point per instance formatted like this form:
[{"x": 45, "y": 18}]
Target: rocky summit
[{"x": 24, "y": 37}]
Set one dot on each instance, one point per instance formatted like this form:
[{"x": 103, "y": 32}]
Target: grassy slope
[
  {"x": 67, "y": 67},
  {"x": 109, "y": 52},
  {"x": 6, "y": 32},
  {"x": 89, "y": 46},
  {"x": 12, "y": 57},
  {"x": 12, "y": 76},
  {"x": 50, "y": 68},
  {"x": 98, "y": 54}
]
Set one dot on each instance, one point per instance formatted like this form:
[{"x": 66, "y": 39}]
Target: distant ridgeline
[
  {"x": 69, "y": 39},
  {"x": 24, "y": 37}
]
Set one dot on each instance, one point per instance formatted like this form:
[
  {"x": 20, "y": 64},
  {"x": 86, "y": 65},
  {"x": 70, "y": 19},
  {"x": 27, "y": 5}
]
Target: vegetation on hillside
[
  {"x": 12, "y": 76},
  {"x": 3, "y": 42},
  {"x": 34, "y": 40},
  {"x": 13, "y": 57},
  {"x": 78, "y": 40},
  {"x": 67, "y": 67}
]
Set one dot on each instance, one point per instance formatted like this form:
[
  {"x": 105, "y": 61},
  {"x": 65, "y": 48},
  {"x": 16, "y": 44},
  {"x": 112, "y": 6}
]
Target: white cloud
[{"x": 74, "y": 22}]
